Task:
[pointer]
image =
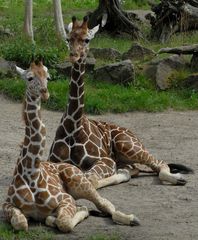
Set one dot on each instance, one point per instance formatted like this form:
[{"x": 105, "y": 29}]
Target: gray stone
[
  {"x": 5, "y": 32},
  {"x": 191, "y": 81},
  {"x": 121, "y": 72},
  {"x": 106, "y": 53},
  {"x": 7, "y": 68},
  {"x": 90, "y": 64},
  {"x": 138, "y": 52},
  {"x": 65, "y": 67},
  {"x": 161, "y": 70}
]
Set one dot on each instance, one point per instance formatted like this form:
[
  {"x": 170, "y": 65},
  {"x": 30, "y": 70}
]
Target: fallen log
[
  {"x": 173, "y": 16},
  {"x": 113, "y": 19},
  {"x": 189, "y": 49}
]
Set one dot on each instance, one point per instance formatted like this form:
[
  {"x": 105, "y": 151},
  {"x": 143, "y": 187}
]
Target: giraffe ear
[
  {"x": 93, "y": 31},
  {"x": 20, "y": 70},
  {"x": 69, "y": 27}
]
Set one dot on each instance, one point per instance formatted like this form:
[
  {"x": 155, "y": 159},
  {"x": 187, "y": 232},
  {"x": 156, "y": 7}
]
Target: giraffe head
[
  {"x": 36, "y": 78},
  {"x": 78, "y": 38}
]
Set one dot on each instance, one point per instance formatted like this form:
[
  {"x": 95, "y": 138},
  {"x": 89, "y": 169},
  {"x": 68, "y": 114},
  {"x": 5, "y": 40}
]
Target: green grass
[
  {"x": 38, "y": 232},
  {"x": 142, "y": 96}
]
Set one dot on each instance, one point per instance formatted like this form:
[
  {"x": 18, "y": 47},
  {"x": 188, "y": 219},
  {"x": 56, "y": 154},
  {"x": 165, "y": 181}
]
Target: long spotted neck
[
  {"x": 35, "y": 133},
  {"x": 75, "y": 106}
]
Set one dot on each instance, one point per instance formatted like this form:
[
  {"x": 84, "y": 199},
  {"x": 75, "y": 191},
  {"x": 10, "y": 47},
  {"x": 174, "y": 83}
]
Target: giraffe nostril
[
  {"x": 73, "y": 54},
  {"x": 43, "y": 90}
]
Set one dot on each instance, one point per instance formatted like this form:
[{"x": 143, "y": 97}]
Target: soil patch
[{"x": 166, "y": 212}]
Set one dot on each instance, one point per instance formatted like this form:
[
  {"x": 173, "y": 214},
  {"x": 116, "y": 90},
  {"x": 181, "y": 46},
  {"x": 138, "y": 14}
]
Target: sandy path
[{"x": 166, "y": 212}]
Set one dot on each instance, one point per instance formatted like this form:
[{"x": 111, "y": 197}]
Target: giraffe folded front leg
[
  {"x": 18, "y": 220},
  {"x": 67, "y": 223},
  {"x": 15, "y": 217},
  {"x": 124, "y": 219}
]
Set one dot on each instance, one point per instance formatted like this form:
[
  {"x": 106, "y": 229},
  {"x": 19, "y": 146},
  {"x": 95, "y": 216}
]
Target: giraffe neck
[
  {"x": 35, "y": 133},
  {"x": 75, "y": 106}
]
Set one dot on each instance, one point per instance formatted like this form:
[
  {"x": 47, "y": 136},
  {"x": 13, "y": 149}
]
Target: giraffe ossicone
[
  {"x": 98, "y": 148},
  {"x": 42, "y": 190}
]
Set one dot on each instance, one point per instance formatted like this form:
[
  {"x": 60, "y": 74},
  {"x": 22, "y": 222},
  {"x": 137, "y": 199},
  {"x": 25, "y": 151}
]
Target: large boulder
[
  {"x": 138, "y": 52},
  {"x": 161, "y": 70},
  {"x": 121, "y": 72},
  {"x": 106, "y": 53},
  {"x": 191, "y": 81},
  {"x": 7, "y": 68}
]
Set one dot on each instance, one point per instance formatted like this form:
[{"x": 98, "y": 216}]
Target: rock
[
  {"x": 5, "y": 32},
  {"x": 191, "y": 81},
  {"x": 194, "y": 62},
  {"x": 7, "y": 68},
  {"x": 138, "y": 52},
  {"x": 161, "y": 70},
  {"x": 65, "y": 67},
  {"x": 121, "y": 72},
  {"x": 90, "y": 64},
  {"x": 105, "y": 53}
]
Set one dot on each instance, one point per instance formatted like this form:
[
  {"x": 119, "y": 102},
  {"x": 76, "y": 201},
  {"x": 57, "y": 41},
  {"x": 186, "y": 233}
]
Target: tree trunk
[
  {"x": 173, "y": 16},
  {"x": 117, "y": 20},
  {"x": 28, "y": 20},
  {"x": 59, "y": 19}
]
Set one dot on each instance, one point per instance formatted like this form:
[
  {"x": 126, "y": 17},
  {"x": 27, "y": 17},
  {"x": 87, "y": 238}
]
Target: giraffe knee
[
  {"x": 19, "y": 222},
  {"x": 65, "y": 224}
]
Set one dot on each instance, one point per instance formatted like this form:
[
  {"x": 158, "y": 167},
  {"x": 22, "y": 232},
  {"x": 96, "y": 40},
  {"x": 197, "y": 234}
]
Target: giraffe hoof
[
  {"x": 135, "y": 221},
  {"x": 181, "y": 182},
  {"x": 121, "y": 218},
  {"x": 83, "y": 209}
]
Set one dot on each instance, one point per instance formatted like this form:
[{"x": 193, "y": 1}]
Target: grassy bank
[
  {"x": 44, "y": 233},
  {"x": 105, "y": 97}
]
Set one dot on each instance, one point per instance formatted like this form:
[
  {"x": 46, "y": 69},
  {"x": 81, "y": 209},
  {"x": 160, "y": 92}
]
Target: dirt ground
[{"x": 166, "y": 212}]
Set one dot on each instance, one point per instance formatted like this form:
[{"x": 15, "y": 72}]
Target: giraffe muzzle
[
  {"x": 44, "y": 94},
  {"x": 74, "y": 57}
]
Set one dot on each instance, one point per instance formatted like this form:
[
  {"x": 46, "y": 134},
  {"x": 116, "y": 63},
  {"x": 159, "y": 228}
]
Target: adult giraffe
[
  {"x": 47, "y": 191},
  {"x": 98, "y": 148}
]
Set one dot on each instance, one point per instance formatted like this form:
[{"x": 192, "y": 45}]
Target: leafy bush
[{"x": 23, "y": 52}]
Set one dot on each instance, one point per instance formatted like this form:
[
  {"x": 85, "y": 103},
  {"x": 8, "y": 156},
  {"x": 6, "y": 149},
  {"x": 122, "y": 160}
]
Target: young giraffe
[
  {"x": 42, "y": 190},
  {"x": 96, "y": 147}
]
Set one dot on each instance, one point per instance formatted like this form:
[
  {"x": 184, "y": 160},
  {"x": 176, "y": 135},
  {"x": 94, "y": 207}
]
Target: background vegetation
[{"x": 142, "y": 95}]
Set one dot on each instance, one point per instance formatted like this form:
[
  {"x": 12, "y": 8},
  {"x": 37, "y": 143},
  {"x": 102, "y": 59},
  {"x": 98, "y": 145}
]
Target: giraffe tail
[{"x": 179, "y": 168}]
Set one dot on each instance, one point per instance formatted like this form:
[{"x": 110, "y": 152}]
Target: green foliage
[{"x": 7, "y": 233}]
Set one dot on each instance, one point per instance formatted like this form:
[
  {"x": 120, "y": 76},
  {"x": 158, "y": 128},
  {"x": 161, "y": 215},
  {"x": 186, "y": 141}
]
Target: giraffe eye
[
  {"x": 30, "y": 79},
  {"x": 86, "y": 40}
]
